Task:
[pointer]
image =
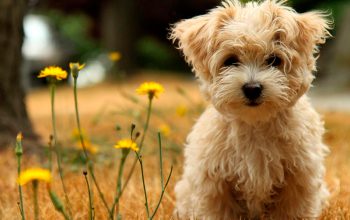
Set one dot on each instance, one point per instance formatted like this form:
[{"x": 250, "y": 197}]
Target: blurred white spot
[{"x": 38, "y": 42}]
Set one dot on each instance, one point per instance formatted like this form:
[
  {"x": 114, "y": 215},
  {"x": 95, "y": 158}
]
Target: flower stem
[
  {"x": 143, "y": 184},
  {"x": 149, "y": 110},
  {"x": 57, "y": 151},
  {"x": 35, "y": 195},
  {"x": 50, "y": 152},
  {"x": 162, "y": 193},
  {"x": 53, "y": 114},
  {"x": 160, "y": 161},
  {"x": 20, "y": 188},
  {"x": 100, "y": 192},
  {"x": 91, "y": 207},
  {"x": 161, "y": 176},
  {"x": 78, "y": 119},
  {"x": 115, "y": 205},
  {"x": 87, "y": 161}
]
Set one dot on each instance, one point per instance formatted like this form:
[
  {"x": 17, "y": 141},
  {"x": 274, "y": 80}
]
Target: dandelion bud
[
  {"x": 75, "y": 68},
  {"x": 118, "y": 128},
  {"x": 19, "y": 136},
  {"x": 133, "y": 126},
  {"x": 19, "y": 148},
  {"x": 137, "y": 135}
]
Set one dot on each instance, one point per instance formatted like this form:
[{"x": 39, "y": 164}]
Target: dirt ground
[{"x": 107, "y": 106}]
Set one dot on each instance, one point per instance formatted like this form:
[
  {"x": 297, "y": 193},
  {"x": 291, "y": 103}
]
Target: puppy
[{"x": 256, "y": 151}]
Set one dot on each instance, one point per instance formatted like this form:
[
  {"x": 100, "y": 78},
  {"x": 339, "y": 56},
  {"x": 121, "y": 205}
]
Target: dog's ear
[
  {"x": 196, "y": 36},
  {"x": 313, "y": 30},
  {"x": 193, "y": 37},
  {"x": 313, "y": 27}
]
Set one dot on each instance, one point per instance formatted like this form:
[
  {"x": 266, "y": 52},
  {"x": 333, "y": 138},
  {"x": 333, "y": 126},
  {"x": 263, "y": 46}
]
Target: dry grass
[{"x": 105, "y": 106}]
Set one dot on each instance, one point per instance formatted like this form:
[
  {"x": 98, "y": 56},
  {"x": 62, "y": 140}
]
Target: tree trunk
[
  {"x": 119, "y": 28},
  {"x": 13, "y": 114}
]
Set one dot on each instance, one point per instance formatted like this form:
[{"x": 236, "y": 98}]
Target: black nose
[{"x": 252, "y": 91}]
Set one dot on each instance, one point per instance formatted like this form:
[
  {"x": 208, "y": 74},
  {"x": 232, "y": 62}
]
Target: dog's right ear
[{"x": 193, "y": 37}]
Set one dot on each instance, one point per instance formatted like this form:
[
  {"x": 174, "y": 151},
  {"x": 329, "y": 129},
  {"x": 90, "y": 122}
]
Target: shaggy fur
[{"x": 264, "y": 158}]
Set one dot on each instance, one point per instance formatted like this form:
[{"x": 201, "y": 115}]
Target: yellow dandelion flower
[
  {"x": 53, "y": 72},
  {"x": 77, "y": 66},
  {"x": 92, "y": 148},
  {"x": 181, "y": 110},
  {"x": 165, "y": 130},
  {"x": 152, "y": 89},
  {"x": 34, "y": 174},
  {"x": 127, "y": 144},
  {"x": 114, "y": 56}
]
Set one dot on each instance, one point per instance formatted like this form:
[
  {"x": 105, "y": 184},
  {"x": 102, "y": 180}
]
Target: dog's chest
[
  {"x": 259, "y": 157},
  {"x": 254, "y": 163}
]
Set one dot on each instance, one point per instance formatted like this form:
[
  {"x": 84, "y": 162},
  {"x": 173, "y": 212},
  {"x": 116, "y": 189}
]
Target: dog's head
[{"x": 252, "y": 60}]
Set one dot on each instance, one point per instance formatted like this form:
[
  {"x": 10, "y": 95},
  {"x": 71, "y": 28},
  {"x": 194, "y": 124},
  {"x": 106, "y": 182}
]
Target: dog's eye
[
  {"x": 274, "y": 61},
  {"x": 231, "y": 61}
]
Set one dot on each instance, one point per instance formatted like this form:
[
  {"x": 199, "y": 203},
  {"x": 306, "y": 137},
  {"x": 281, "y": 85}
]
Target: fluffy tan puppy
[{"x": 257, "y": 150}]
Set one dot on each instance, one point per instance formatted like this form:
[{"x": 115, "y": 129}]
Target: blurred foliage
[
  {"x": 75, "y": 29},
  {"x": 155, "y": 54}
]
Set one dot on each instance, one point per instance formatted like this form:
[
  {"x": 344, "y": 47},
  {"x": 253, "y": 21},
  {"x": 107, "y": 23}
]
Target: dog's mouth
[{"x": 253, "y": 103}]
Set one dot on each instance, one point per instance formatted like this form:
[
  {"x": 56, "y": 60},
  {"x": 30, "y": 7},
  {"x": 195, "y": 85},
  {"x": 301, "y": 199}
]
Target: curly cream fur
[{"x": 262, "y": 161}]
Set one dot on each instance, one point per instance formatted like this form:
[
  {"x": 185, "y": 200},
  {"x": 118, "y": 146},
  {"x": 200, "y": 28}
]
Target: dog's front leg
[
  {"x": 201, "y": 197},
  {"x": 303, "y": 198}
]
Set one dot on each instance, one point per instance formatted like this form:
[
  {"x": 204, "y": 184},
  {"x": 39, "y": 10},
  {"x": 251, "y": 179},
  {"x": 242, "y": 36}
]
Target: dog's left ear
[{"x": 313, "y": 31}]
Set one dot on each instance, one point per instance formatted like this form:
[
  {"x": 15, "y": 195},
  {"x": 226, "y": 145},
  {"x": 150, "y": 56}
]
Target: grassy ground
[{"x": 107, "y": 106}]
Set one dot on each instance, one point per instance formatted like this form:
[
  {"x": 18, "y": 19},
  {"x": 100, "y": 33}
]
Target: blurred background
[
  {"x": 57, "y": 32},
  {"x": 124, "y": 43},
  {"x": 120, "y": 38}
]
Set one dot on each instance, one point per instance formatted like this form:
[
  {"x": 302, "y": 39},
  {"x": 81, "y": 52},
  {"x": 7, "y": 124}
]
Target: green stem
[
  {"x": 149, "y": 110},
  {"x": 78, "y": 119},
  {"x": 160, "y": 161},
  {"x": 65, "y": 215},
  {"x": 57, "y": 151},
  {"x": 87, "y": 161},
  {"x": 53, "y": 114},
  {"x": 100, "y": 192},
  {"x": 91, "y": 216},
  {"x": 50, "y": 152},
  {"x": 162, "y": 193},
  {"x": 143, "y": 184},
  {"x": 115, "y": 205},
  {"x": 161, "y": 176},
  {"x": 20, "y": 188},
  {"x": 35, "y": 195}
]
